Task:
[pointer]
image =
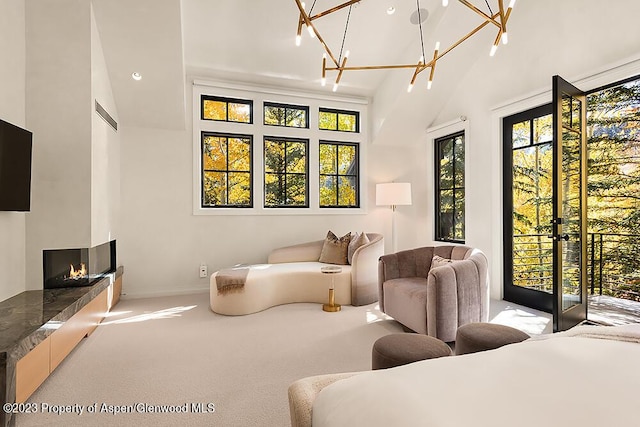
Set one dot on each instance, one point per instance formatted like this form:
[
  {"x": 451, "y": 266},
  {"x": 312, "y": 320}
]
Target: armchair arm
[
  {"x": 303, "y": 252},
  {"x": 364, "y": 274},
  {"x": 456, "y": 295}
]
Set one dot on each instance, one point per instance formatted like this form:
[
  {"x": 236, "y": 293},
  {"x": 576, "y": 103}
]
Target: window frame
[
  {"x": 438, "y": 187},
  {"x": 337, "y": 112},
  {"x": 286, "y": 107},
  {"x": 226, "y": 100},
  {"x": 306, "y": 173},
  {"x": 337, "y": 175},
  {"x": 227, "y": 135},
  {"x": 258, "y": 130}
]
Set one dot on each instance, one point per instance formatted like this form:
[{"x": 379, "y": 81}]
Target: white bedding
[{"x": 570, "y": 379}]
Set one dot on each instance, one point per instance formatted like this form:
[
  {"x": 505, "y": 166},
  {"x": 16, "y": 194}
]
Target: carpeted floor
[{"x": 174, "y": 351}]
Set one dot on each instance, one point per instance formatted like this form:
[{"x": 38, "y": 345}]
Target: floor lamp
[{"x": 393, "y": 194}]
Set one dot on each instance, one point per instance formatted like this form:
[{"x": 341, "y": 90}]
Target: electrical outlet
[{"x": 203, "y": 270}]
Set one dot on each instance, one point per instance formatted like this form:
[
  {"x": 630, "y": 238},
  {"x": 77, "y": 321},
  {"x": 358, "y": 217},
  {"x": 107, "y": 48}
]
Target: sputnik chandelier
[{"x": 339, "y": 64}]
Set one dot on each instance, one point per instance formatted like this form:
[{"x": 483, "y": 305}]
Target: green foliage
[{"x": 285, "y": 173}]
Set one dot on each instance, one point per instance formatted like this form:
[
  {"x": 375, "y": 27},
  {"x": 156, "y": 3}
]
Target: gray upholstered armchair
[{"x": 435, "y": 301}]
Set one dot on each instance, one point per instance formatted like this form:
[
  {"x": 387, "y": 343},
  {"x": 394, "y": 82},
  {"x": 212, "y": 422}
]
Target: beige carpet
[{"x": 174, "y": 351}]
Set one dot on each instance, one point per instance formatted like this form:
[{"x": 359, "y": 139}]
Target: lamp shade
[{"x": 393, "y": 194}]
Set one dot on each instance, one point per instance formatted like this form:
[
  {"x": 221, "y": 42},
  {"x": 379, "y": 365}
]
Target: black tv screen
[{"x": 15, "y": 168}]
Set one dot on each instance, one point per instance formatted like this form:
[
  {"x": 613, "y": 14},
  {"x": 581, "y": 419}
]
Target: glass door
[{"x": 569, "y": 225}]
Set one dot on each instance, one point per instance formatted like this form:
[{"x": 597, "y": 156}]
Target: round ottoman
[
  {"x": 400, "y": 349},
  {"x": 474, "y": 337}
]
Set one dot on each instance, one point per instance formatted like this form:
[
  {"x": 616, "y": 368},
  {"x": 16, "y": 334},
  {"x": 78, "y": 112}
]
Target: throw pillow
[
  {"x": 335, "y": 250},
  {"x": 358, "y": 239},
  {"x": 438, "y": 261}
]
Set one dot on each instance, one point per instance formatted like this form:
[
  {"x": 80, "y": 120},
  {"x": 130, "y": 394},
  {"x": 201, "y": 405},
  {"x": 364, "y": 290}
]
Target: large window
[
  {"x": 338, "y": 175},
  {"x": 286, "y": 181},
  {"x": 294, "y": 116},
  {"x": 226, "y": 170},
  {"x": 449, "y": 179},
  {"x": 227, "y": 109},
  {"x": 344, "y": 121},
  {"x": 299, "y": 155}
]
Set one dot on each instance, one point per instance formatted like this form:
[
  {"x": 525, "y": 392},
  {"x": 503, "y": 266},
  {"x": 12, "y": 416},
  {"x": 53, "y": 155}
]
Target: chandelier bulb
[
  {"x": 512, "y": 3},
  {"x": 445, "y": 3},
  {"x": 298, "y": 40},
  {"x": 335, "y": 87},
  {"x": 493, "y": 50},
  {"x": 437, "y": 46},
  {"x": 304, "y": 6},
  {"x": 346, "y": 54},
  {"x": 410, "y": 88},
  {"x": 311, "y": 32},
  {"x": 323, "y": 81},
  {"x": 429, "y": 83},
  {"x": 505, "y": 39}
]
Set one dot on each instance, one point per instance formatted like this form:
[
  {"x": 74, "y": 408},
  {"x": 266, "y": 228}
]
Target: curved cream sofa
[{"x": 292, "y": 274}]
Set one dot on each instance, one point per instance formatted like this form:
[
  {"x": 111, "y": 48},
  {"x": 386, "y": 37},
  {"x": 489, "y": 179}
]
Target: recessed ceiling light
[
  {"x": 136, "y": 76},
  {"x": 391, "y": 10}
]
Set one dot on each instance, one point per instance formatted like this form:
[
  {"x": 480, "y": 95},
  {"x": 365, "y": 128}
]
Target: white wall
[
  {"x": 105, "y": 150},
  {"x": 12, "y": 109},
  {"x": 163, "y": 243}
]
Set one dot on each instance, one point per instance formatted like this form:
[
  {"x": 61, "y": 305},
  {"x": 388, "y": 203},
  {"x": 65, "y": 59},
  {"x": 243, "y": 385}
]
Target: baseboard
[{"x": 136, "y": 295}]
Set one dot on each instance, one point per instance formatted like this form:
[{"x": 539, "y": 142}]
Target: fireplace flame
[{"x": 78, "y": 274}]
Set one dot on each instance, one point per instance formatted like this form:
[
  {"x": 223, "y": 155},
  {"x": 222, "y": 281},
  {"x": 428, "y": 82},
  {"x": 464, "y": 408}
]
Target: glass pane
[
  {"x": 328, "y": 159},
  {"x": 274, "y": 115},
  {"x": 446, "y": 200},
  {"x": 566, "y": 111},
  {"x": 347, "y": 161},
  {"x": 239, "y": 188},
  {"x": 571, "y": 213},
  {"x": 459, "y": 161},
  {"x": 446, "y": 164},
  {"x": 328, "y": 191},
  {"x": 521, "y": 134},
  {"x": 296, "y": 118},
  {"x": 459, "y": 215},
  {"x": 214, "y": 110},
  {"x": 296, "y": 190},
  {"x": 347, "y": 122},
  {"x": 239, "y": 154},
  {"x": 327, "y": 120},
  {"x": 543, "y": 129},
  {"x": 576, "y": 116},
  {"x": 214, "y": 156},
  {"x": 296, "y": 157},
  {"x": 347, "y": 191},
  {"x": 239, "y": 112},
  {"x": 274, "y": 187},
  {"x": 214, "y": 189},
  {"x": 274, "y": 156}
]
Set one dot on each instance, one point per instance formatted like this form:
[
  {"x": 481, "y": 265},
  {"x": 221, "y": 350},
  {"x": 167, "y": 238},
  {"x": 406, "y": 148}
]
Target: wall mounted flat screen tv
[{"x": 15, "y": 168}]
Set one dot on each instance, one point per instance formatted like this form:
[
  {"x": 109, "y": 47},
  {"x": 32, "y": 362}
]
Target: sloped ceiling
[{"x": 254, "y": 42}]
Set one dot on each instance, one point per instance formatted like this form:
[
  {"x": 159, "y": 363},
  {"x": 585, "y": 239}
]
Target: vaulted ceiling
[{"x": 253, "y": 42}]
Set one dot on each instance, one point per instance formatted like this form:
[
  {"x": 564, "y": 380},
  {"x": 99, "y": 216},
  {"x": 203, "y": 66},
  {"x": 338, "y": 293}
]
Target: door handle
[{"x": 564, "y": 237}]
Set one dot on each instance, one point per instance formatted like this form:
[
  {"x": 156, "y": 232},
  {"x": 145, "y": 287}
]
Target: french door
[{"x": 569, "y": 221}]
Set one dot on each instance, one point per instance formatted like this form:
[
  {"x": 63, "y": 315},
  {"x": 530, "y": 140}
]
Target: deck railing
[{"x": 613, "y": 263}]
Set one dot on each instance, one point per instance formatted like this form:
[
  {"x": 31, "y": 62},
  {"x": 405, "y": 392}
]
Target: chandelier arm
[
  {"x": 374, "y": 67},
  {"x": 304, "y": 17},
  {"x": 333, "y": 9},
  {"x": 453, "y": 46},
  {"x": 491, "y": 19},
  {"x": 503, "y": 27}
]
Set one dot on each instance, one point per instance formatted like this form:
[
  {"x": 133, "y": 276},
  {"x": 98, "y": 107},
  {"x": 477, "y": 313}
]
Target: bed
[{"x": 587, "y": 376}]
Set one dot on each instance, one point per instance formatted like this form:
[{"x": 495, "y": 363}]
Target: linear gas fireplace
[{"x": 65, "y": 268}]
